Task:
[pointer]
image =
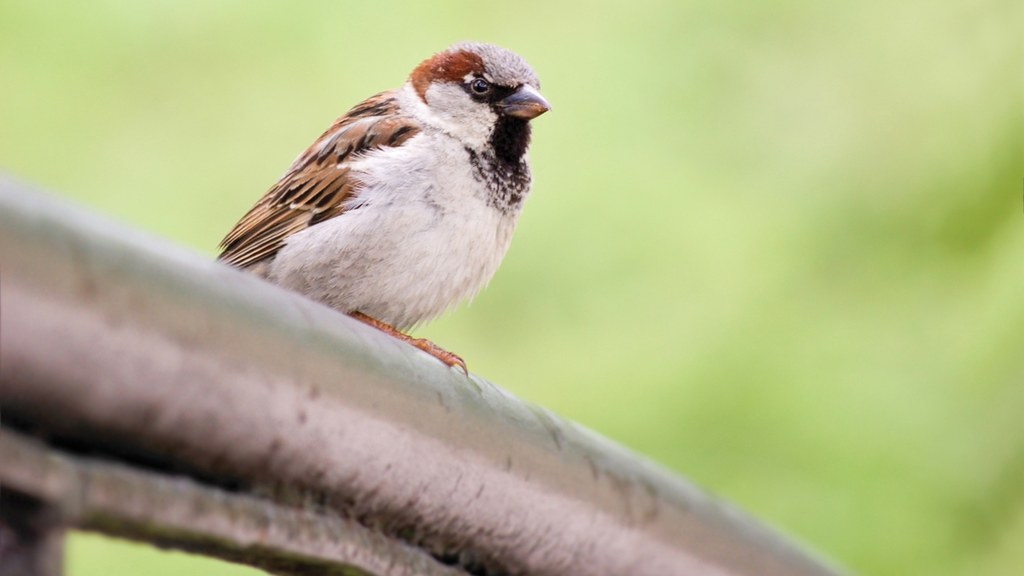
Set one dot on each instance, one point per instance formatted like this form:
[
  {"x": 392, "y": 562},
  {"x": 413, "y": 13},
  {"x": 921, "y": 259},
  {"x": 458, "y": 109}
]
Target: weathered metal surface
[
  {"x": 148, "y": 351},
  {"x": 297, "y": 539}
]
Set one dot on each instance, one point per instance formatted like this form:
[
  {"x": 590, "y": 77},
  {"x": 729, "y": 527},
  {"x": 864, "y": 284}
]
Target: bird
[{"x": 407, "y": 204}]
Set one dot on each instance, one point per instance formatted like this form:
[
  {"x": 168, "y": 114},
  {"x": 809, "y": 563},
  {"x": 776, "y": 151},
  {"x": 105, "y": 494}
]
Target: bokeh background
[{"x": 777, "y": 247}]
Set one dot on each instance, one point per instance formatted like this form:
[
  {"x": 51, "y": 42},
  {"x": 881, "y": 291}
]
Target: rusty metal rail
[{"x": 150, "y": 393}]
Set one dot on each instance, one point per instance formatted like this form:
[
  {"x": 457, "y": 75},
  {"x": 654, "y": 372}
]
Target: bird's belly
[{"x": 402, "y": 265}]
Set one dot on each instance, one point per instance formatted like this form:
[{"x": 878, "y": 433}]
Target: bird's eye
[{"x": 480, "y": 86}]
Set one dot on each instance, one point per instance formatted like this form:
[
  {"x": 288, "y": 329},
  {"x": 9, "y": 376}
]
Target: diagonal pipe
[{"x": 135, "y": 348}]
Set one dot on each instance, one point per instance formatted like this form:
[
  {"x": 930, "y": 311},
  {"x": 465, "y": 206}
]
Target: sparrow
[{"x": 406, "y": 205}]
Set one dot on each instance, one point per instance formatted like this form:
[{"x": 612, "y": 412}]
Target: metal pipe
[
  {"x": 174, "y": 511},
  {"x": 148, "y": 351}
]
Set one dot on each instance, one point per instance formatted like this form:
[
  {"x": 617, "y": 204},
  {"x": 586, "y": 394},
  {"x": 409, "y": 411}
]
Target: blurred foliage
[{"x": 778, "y": 247}]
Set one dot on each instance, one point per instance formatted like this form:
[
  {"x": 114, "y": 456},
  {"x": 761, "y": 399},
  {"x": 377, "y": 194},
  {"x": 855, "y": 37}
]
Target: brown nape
[{"x": 447, "y": 67}]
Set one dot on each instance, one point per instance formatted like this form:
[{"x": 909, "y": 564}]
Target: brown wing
[{"x": 316, "y": 185}]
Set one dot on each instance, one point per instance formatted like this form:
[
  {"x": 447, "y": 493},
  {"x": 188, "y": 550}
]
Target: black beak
[{"x": 525, "y": 103}]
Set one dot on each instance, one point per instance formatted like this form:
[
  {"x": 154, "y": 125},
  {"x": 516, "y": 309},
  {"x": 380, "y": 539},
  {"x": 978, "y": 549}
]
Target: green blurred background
[{"x": 777, "y": 247}]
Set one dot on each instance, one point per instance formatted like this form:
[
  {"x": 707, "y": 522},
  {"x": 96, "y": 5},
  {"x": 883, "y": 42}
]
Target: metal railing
[{"x": 152, "y": 394}]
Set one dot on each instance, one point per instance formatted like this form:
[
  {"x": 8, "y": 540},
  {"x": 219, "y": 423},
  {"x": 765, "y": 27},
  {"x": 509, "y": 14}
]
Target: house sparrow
[{"x": 406, "y": 205}]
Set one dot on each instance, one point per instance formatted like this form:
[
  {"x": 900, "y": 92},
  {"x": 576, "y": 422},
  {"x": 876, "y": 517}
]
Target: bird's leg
[{"x": 449, "y": 359}]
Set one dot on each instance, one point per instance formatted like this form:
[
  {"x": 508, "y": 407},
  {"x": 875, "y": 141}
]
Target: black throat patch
[{"x": 504, "y": 170}]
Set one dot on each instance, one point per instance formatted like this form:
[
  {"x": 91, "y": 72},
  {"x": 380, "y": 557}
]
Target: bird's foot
[{"x": 449, "y": 359}]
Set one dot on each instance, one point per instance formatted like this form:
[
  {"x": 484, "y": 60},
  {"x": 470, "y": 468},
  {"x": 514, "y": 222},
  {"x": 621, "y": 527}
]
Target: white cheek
[{"x": 452, "y": 110}]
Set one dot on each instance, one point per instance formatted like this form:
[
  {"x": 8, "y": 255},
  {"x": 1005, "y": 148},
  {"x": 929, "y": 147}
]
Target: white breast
[{"x": 419, "y": 238}]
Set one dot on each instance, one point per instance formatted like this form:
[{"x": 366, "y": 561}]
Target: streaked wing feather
[{"x": 318, "y": 183}]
